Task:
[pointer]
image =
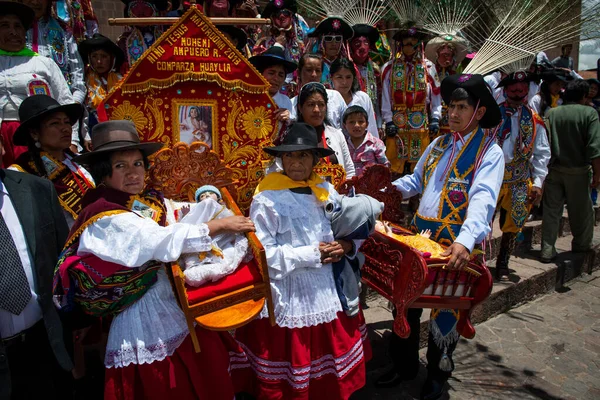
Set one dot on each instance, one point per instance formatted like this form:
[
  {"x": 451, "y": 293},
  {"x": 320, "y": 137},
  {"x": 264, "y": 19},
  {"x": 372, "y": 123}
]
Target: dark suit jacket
[{"x": 45, "y": 228}]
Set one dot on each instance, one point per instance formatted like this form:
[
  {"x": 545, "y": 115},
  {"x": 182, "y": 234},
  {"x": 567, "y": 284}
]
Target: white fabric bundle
[{"x": 234, "y": 247}]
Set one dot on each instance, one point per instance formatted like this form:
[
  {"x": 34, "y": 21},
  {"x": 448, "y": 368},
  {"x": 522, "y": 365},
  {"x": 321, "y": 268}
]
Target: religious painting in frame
[
  {"x": 192, "y": 85},
  {"x": 193, "y": 121}
]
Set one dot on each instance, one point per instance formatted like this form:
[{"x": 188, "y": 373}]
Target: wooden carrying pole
[{"x": 171, "y": 20}]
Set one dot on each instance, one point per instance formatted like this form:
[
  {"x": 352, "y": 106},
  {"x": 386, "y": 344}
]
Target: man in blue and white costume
[{"x": 459, "y": 176}]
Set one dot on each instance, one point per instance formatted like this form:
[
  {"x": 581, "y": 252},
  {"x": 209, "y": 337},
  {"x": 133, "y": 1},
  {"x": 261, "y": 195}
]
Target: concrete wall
[{"x": 106, "y": 9}]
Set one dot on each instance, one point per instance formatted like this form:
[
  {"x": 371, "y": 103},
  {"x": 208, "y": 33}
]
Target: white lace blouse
[
  {"x": 290, "y": 227},
  {"x": 154, "y": 326}
]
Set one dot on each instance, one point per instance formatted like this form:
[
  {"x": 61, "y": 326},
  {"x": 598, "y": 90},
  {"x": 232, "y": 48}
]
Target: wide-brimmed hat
[
  {"x": 99, "y": 41},
  {"x": 410, "y": 29},
  {"x": 554, "y": 75},
  {"x": 118, "y": 135},
  {"x": 23, "y": 12},
  {"x": 333, "y": 25},
  {"x": 460, "y": 44},
  {"x": 276, "y": 5},
  {"x": 299, "y": 136},
  {"x": 475, "y": 85},
  {"x": 516, "y": 77},
  {"x": 273, "y": 56},
  {"x": 368, "y": 31},
  {"x": 34, "y": 108},
  {"x": 235, "y": 33}
]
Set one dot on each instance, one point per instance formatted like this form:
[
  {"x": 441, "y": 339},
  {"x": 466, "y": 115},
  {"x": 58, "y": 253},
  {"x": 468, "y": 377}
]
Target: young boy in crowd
[{"x": 365, "y": 149}]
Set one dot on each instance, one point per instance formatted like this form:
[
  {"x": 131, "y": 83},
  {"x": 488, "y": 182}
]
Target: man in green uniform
[{"x": 575, "y": 143}]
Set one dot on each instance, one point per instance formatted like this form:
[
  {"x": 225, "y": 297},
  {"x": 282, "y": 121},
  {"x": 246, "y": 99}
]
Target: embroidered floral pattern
[
  {"x": 256, "y": 122},
  {"x": 131, "y": 113},
  {"x": 456, "y": 197}
]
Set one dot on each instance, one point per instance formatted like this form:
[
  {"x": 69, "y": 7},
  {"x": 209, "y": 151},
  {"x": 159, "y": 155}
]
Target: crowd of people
[{"x": 84, "y": 243}]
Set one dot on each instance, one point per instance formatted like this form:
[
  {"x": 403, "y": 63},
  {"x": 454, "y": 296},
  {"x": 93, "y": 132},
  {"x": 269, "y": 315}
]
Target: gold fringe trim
[
  {"x": 188, "y": 76},
  {"x": 17, "y": 167},
  {"x": 90, "y": 221}
]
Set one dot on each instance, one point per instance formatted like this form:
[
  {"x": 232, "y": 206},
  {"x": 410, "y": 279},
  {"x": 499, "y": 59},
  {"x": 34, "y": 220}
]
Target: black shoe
[
  {"x": 433, "y": 389},
  {"x": 391, "y": 379}
]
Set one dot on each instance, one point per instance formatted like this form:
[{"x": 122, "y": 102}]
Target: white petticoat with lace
[
  {"x": 149, "y": 330},
  {"x": 290, "y": 226}
]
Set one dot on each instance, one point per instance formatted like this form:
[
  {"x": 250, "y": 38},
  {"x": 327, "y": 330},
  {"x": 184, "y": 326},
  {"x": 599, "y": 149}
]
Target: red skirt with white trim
[
  {"x": 326, "y": 361},
  {"x": 182, "y": 376}
]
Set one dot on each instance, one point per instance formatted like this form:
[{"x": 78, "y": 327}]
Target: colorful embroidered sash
[
  {"x": 409, "y": 81},
  {"x": 517, "y": 173},
  {"x": 99, "y": 287},
  {"x": 71, "y": 186},
  {"x": 518, "y": 170},
  {"x": 455, "y": 193}
]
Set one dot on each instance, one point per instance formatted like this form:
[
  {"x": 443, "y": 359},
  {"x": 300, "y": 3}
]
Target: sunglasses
[
  {"x": 333, "y": 38},
  {"x": 284, "y": 12}
]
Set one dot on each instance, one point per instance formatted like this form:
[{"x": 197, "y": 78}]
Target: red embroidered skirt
[
  {"x": 326, "y": 361},
  {"x": 182, "y": 376},
  {"x": 7, "y": 130}
]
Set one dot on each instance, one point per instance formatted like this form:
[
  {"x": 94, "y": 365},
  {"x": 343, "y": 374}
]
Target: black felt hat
[
  {"x": 99, "y": 41},
  {"x": 116, "y": 135},
  {"x": 276, "y": 5},
  {"x": 555, "y": 75},
  {"x": 475, "y": 85},
  {"x": 34, "y": 108},
  {"x": 516, "y": 77},
  {"x": 23, "y": 12},
  {"x": 273, "y": 56},
  {"x": 235, "y": 33},
  {"x": 333, "y": 26},
  {"x": 368, "y": 31},
  {"x": 410, "y": 29},
  {"x": 299, "y": 136}
]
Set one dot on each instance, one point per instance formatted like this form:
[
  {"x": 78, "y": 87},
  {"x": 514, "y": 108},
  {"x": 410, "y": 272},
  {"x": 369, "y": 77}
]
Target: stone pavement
[{"x": 546, "y": 349}]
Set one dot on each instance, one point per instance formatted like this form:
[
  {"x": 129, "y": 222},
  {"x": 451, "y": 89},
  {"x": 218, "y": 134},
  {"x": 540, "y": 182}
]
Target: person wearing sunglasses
[
  {"x": 310, "y": 70},
  {"x": 289, "y": 30},
  {"x": 332, "y": 35}
]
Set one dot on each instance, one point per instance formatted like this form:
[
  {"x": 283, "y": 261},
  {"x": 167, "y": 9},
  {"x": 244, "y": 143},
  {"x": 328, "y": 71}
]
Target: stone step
[{"x": 529, "y": 279}]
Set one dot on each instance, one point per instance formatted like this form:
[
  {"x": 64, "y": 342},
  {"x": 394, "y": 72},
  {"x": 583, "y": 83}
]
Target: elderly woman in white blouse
[
  {"x": 315, "y": 351},
  {"x": 121, "y": 236}
]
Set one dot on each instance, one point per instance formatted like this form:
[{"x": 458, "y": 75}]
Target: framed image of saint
[{"x": 194, "y": 121}]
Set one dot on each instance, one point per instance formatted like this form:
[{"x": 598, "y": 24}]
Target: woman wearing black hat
[
  {"x": 28, "y": 74},
  {"x": 46, "y": 131},
  {"x": 315, "y": 351},
  {"x": 553, "y": 82},
  {"x": 113, "y": 265},
  {"x": 104, "y": 60}
]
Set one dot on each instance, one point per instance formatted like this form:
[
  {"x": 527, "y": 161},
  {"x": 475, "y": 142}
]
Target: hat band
[
  {"x": 116, "y": 136},
  {"x": 300, "y": 141}
]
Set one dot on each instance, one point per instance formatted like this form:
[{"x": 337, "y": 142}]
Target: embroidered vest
[
  {"x": 454, "y": 198},
  {"x": 54, "y": 38},
  {"x": 99, "y": 287},
  {"x": 519, "y": 169},
  {"x": 70, "y": 186}
]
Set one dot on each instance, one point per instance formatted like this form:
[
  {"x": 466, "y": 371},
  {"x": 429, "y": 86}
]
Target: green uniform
[{"x": 574, "y": 140}]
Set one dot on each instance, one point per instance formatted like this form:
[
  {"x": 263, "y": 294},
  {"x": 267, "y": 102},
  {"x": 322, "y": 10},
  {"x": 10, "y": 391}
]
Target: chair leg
[{"x": 192, "y": 329}]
